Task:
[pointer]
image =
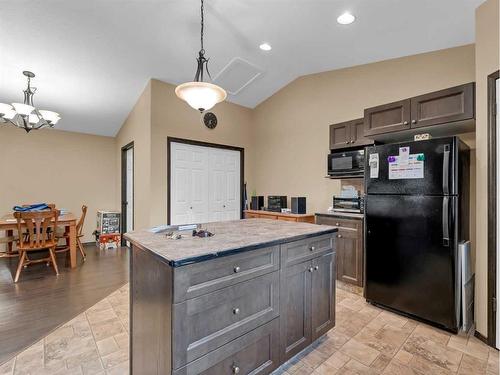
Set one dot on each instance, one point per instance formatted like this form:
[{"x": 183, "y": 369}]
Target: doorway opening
[{"x": 127, "y": 190}]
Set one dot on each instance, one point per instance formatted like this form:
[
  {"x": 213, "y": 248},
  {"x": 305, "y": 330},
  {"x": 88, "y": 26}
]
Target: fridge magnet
[
  {"x": 410, "y": 168},
  {"x": 373, "y": 161}
]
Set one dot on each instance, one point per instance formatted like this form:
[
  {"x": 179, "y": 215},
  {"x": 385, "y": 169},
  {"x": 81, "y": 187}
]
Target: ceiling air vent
[{"x": 237, "y": 75}]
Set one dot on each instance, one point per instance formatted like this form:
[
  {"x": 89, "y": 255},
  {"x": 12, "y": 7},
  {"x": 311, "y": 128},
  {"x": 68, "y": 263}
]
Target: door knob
[
  {"x": 224, "y": 206},
  {"x": 236, "y": 311},
  {"x": 236, "y": 269},
  {"x": 236, "y": 369},
  {"x": 190, "y": 208}
]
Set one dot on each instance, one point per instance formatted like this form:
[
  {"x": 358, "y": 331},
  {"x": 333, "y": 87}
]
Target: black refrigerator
[{"x": 416, "y": 214}]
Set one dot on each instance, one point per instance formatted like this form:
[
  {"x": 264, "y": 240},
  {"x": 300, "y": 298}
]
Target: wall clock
[{"x": 209, "y": 119}]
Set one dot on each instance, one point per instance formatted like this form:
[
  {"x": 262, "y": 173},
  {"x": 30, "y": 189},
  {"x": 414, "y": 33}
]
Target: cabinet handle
[
  {"x": 236, "y": 369},
  {"x": 414, "y": 121},
  {"x": 236, "y": 311},
  {"x": 405, "y": 123},
  {"x": 337, "y": 224},
  {"x": 339, "y": 235},
  {"x": 346, "y": 142},
  {"x": 316, "y": 268},
  {"x": 310, "y": 269},
  {"x": 352, "y": 141},
  {"x": 312, "y": 248},
  {"x": 237, "y": 269}
]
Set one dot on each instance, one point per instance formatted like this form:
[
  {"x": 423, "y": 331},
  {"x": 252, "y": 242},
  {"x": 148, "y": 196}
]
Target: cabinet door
[
  {"x": 350, "y": 257},
  {"x": 340, "y": 135},
  {"x": 449, "y": 105},
  {"x": 295, "y": 307},
  {"x": 387, "y": 118},
  {"x": 323, "y": 295},
  {"x": 358, "y": 133}
]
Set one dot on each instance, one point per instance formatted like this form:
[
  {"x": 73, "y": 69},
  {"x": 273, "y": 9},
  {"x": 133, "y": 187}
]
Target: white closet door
[
  {"x": 233, "y": 193},
  {"x": 217, "y": 185},
  {"x": 205, "y": 184},
  {"x": 189, "y": 195}
]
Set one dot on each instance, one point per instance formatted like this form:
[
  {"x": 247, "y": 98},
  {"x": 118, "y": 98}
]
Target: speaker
[
  {"x": 298, "y": 205},
  {"x": 257, "y": 203}
]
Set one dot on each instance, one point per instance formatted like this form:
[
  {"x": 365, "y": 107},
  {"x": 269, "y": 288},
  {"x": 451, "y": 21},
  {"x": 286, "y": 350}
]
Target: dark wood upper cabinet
[
  {"x": 348, "y": 134},
  {"x": 387, "y": 118},
  {"x": 340, "y": 135},
  {"x": 449, "y": 105}
]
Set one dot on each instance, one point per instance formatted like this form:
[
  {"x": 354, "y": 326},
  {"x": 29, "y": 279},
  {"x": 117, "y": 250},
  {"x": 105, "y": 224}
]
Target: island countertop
[{"x": 230, "y": 237}]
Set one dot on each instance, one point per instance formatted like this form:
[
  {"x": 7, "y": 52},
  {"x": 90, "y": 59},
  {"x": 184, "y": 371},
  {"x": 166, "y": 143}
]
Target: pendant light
[{"x": 198, "y": 94}]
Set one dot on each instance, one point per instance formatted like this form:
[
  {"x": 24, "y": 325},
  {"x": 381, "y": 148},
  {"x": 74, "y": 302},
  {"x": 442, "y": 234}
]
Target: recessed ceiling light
[
  {"x": 265, "y": 47},
  {"x": 346, "y": 18}
]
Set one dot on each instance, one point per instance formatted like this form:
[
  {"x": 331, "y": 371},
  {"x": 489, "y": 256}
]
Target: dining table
[{"x": 67, "y": 220}]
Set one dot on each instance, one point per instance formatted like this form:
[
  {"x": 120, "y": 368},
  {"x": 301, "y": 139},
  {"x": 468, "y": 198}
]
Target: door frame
[
  {"x": 193, "y": 142},
  {"x": 124, "y": 150},
  {"x": 492, "y": 209}
]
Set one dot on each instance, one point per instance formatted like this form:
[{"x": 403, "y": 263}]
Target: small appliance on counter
[
  {"x": 298, "y": 205},
  {"x": 257, "y": 203},
  {"x": 350, "y": 200},
  {"x": 276, "y": 202},
  {"x": 346, "y": 164}
]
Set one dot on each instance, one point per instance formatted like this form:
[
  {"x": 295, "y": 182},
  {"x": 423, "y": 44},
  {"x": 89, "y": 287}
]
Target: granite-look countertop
[
  {"x": 349, "y": 215},
  {"x": 230, "y": 237}
]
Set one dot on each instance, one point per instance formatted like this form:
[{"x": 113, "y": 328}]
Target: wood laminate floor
[{"x": 41, "y": 301}]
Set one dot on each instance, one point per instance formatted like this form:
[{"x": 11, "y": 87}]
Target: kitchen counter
[
  {"x": 351, "y": 215},
  {"x": 211, "y": 306},
  {"x": 230, "y": 237}
]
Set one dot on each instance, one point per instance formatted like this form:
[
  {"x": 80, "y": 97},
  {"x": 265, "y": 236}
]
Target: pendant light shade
[{"x": 201, "y": 96}]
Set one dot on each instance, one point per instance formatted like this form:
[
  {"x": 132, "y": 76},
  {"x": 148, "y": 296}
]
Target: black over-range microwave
[{"x": 345, "y": 164}]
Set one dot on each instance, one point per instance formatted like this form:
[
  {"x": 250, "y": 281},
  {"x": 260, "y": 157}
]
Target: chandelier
[
  {"x": 25, "y": 115},
  {"x": 198, "y": 94}
]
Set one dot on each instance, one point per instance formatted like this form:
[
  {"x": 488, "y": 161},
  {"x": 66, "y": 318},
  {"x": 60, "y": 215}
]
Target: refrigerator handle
[
  {"x": 446, "y": 226},
  {"x": 446, "y": 169}
]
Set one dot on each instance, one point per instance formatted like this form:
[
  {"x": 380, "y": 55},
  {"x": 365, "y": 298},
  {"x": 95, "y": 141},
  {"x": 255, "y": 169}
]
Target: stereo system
[{"x": 298, "y": 205}]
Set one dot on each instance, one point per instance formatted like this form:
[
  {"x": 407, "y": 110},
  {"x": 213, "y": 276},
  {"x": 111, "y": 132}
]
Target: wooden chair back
[
  {"x": 81, "y": 221},
  {"x": 40, "y": 228}
]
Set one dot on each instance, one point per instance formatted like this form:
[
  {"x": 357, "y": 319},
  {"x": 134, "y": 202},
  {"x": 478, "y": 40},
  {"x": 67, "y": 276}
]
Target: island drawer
[
  {"x": 201, "y": 278},
  {"x": 352, "y": 224},
  {"x": 255, "y": 353},
  {"x": 299, "y": 251},
  {"x": 203, "y": 324}
]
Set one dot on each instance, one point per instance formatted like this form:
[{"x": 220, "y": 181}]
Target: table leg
[
  {"x": 10, "y": 233},
  {"x": 72, "y": 245}
]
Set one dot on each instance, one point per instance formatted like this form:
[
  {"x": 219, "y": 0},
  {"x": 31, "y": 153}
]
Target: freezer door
[
  {"x": 411, "y": 261},
  {"x": 435, "y": 172}
]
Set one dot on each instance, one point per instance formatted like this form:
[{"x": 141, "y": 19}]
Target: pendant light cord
[{"x": 202, "y": 26}]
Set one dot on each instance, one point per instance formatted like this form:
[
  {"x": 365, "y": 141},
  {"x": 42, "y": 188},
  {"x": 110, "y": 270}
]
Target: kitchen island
[{"x": 243, "y": 301}]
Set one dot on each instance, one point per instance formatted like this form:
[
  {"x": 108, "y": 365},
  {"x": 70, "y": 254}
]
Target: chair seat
[{"x": 26, "y": 245}]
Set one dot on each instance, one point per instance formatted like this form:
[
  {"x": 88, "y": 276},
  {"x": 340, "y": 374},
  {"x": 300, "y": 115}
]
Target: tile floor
[{"x": 366, "y": 340}]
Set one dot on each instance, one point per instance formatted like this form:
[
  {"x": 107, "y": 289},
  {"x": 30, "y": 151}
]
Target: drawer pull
[
  {"x": 312, "y": 248},
  {"x": 337, "y": 224},
  {"x": 316, "y": 268},
  {"x": 236, "y": 311},
  {"x": 339, "y": 236},
  {"x": 310, "y": 269},
  {"x": 236, "y": 369},
  {"x": 237, "y": 269}
]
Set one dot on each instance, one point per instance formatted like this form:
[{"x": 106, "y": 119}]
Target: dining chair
[
  {"x": 39, "y": 234},
  {"x": 79, "y": 235}
]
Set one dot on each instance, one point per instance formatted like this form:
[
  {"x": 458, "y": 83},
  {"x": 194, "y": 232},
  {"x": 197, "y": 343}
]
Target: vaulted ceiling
[{"x": 93, "y": 58}]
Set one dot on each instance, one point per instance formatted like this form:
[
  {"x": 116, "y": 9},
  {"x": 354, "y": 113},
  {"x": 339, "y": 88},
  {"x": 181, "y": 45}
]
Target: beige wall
[
  {"x": 51, "y": 166},
  {"x": 137, "y": 129},
  {"x": 171, "y": 117},
  {"x": 487, "y": 62},
  {"x": 291, "y": 127}
]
